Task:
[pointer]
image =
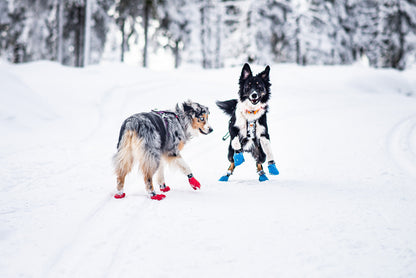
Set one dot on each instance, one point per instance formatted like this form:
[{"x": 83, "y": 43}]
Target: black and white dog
[
  {"x": 155, "y": 138},
  {"x": 248, "y": 124}
]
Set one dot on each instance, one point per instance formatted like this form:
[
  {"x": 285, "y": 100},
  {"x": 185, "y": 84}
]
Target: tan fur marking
[
  {"x": 197, "y": 124},
  {"x": 149, "y": 182},
  {"x": 232, "y": 167},
  {"x": 259, "y": 167},
  {"x": 181, "y": 145},
  {"x": 124, "y": 159}
]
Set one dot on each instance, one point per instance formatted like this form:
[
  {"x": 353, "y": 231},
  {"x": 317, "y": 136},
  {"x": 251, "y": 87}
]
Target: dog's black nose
[
  {"x": 254, "y": 95},
  {"x": 210, "y": 130}
]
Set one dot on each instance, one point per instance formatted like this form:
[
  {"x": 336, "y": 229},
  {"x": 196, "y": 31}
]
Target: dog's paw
[
  {"x": 238, "y": 158},
  {"x": 194, "y": 183},
  {"x": 120, "y": 195},
  {"x": 224, "y": 178},
  {"x": 263, "y": 177},
  {"x": 273, "y": 169},
  {"x": 164, "y": 188},
  {"x": 158, "y": 197}
]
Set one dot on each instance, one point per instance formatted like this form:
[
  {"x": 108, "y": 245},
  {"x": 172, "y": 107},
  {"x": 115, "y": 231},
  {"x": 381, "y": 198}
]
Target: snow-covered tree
[
  {"x": 408, "y": 29},
  {"x": 211, "y": 34},
  {"x": 175, "y": 17},
  {"x": 127, "y": 12}
]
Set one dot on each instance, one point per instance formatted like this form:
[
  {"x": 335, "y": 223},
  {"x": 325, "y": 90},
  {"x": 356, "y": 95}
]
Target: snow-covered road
[{"x": 344, "y": 204}]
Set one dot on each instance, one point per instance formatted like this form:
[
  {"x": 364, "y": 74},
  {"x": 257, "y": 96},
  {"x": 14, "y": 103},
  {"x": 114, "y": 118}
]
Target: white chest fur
[{"x": 247, "y": 122}]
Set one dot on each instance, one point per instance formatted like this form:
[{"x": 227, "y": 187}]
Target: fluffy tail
[
  {"x": 227, "y": 106},
  {"x": 122, "y": 129}
]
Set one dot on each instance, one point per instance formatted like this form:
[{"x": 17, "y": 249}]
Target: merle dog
[
  {"x": 155, "y": 138},
  {"x": 248, "y": 124}
]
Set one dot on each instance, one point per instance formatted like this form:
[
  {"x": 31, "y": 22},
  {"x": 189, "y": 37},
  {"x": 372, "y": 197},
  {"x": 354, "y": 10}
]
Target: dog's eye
[{"x": 201, "y": 119}]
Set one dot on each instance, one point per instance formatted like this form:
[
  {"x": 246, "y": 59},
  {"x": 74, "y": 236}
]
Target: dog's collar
[{"x": 253, "y": 111}]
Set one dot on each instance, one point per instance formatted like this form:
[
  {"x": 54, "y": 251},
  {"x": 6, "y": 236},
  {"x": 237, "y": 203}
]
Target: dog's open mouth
[
  {"x": 255, "y": 101},
  {"x": 254, "y": 98},
  {"x": 206, "y": 133}
]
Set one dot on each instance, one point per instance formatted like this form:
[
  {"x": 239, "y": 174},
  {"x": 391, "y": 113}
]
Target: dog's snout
[{"x": 254, "y": 95}]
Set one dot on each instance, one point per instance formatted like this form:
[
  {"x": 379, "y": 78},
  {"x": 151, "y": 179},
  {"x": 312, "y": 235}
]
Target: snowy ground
[{"x": 344, "y": 204}]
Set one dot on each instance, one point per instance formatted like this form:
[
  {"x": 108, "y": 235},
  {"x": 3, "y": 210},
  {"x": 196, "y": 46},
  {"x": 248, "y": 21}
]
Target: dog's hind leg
[
  {"x": 262, "y": 174},
  {"x": 260, "y": 158},
  {"x": 161, "y": 177},
  {"x": 123, "y": 162},
  {"x": 230, "y": 170},
  {"x": 149, "y": 168}
]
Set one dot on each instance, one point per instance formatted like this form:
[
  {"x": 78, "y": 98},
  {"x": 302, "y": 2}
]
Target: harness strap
[
  {"x": 251, "y": 129},
  {"x": 226, "y": 136},
  {"x": 164, "y": 116}
]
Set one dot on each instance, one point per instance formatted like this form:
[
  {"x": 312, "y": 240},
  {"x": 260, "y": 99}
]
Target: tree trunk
[
  {"x": 87, "y": 32},
  {"x": 146, "y": 13},
  {"x": 79, "y": 37},
  {"x": 298, "y": 50},
  {"x": 398, "y": 63},
  {"x": 176, "y": 53},
  {"x": 203, "y": 36},
  {"x": 123, "y": 39},
  {"x": 60, "y": 31}
]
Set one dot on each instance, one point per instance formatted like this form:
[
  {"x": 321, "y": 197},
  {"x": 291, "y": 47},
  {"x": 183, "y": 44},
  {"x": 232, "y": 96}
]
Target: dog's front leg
[
  {"x": 184, "y": 167},
  {"x": 267, "y": 148},
  {"x": 235, "y": 154},
  {"x": 235, "y": 147}
]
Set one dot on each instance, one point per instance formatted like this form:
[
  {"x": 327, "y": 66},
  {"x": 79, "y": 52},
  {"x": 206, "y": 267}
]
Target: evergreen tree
[
  {"x": 127, "y": 12},
  {"x": 210, "y": 34},
  {"x": 174, "y": 17}
]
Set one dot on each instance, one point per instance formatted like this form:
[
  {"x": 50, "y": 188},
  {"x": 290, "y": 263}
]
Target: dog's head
[
  {"x": 255, "y": 89},
  {"x": 198, "y": 115}
]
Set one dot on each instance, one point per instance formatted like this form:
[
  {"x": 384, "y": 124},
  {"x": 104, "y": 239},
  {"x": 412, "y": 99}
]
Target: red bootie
[
  {"x": 165, "y": 189},
  {"x": 120, "y": 196},
  {"x": 194, "y": 183},
  {"x": 158, "y": 197}
]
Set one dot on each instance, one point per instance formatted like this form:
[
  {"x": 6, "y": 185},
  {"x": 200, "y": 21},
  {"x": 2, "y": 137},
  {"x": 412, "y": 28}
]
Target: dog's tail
[
  {"x": 122, "y": 129},
  {"x": 227, "y": 106}
]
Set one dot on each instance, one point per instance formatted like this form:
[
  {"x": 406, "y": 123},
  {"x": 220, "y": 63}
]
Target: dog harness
[
  {"x": 164, "y": 115},
  {"x": 251, "y": 129}
]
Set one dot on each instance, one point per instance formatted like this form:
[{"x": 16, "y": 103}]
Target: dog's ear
[
  {"x": 246, "y": 72},
  {"x": 187, "y": 108},
  {"x": 265, "y": 74}
]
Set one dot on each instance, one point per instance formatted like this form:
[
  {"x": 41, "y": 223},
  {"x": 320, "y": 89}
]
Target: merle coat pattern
[
  {"x": 155, "y": 138},
  {"x": 248, "y": 123}
]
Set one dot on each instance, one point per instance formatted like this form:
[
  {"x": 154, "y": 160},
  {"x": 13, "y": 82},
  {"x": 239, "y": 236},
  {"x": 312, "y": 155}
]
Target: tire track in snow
[
  {"x": 93, "y": 248},
  {"x": 57, "y": 257},
  {"x": 401, "y": 142}
]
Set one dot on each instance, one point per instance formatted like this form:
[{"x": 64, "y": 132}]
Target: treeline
[{"x": 212, "y": 33}]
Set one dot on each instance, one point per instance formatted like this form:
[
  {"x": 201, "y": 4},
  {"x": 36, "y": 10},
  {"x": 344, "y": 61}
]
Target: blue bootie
[
  {"x": 272, "y": 169},
  {"x": 238, "y": 158},
  {"x": 224, "y": 178},
  {"x": 263, "y": 177}
]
